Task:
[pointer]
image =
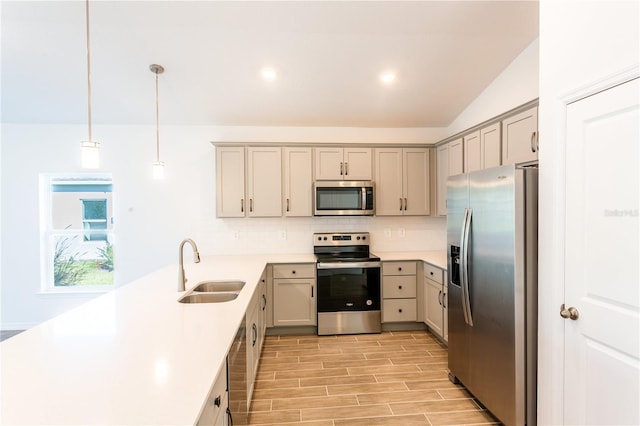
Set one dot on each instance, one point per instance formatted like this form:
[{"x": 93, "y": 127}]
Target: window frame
[{"x": 50, "y": 236}]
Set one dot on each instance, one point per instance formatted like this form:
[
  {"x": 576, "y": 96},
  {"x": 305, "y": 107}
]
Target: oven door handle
[{"x": 346, "y": 265}]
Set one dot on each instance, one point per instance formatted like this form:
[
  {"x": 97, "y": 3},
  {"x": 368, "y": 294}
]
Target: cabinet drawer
[
  {"x": 433, "y": 273},
  {"x": 399, "y": 287},
  {"x": 294, "y": 270},
  {"x": 398, "y": 268},
  {"x": 397, "y": 310}
]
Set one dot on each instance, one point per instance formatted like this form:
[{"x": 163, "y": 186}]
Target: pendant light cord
[
  {"x": 88, "y": 72},
  {"x": 157, "y": 123}
]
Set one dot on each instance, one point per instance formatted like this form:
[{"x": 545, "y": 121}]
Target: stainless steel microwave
[{"x": 343, "y": 198}]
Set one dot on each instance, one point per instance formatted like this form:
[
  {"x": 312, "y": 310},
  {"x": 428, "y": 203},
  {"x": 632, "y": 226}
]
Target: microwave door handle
[{"x": 364, "y": 198}]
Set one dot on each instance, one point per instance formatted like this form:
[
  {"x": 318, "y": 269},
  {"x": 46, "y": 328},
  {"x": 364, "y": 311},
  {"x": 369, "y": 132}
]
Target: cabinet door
[
  {"x": 264, "y": 181},
  {"x": 433, "y": 306},
  {"x": 442, "y": 165},
  {"x": 329, "y": 163},
  {"x": 445, "y": 311},
  {"x": 490, "y": 146},
  {"x": 253, "y": 354},
  {"x": 357, "y": 164},
  {"x": 472, "y": 152},
  {"x": 388, "y": 180},
  {"x": 297, "y": 181},
  {"x": 214, "y": 410},
  {"x": 519, "y": 137},
  {"x": 261, "y": 302},
  {"x": 416, "y": 182},
  {"x": 230, "y": 200},
  {"x": 456, "y": 157},
  {"x": 294, "y": 302}
]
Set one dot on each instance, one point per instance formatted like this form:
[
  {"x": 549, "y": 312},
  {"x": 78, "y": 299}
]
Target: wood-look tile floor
[{"x": 393, "y": 378}]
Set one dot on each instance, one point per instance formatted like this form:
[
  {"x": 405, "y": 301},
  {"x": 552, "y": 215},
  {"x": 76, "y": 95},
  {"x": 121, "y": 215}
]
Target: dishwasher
[{"x": 237, "y": 378}]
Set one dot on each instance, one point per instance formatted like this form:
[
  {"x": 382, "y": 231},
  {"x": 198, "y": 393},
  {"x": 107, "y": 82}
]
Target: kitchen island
[{"x": 134, "y": 355}]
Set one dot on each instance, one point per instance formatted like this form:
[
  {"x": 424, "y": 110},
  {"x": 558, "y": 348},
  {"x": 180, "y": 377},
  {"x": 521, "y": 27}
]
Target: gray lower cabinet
[
  {"x": 215, "y": 409},
  {"x": 435, "y": 301},
  {"x": 256, "y": 326},
  {"x": 399, "y": 285},
  {"x": 294, "y": 294}
]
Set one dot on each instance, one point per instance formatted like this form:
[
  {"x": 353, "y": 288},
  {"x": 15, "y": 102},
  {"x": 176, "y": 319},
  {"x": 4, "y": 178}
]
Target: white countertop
[
  {"x": 131, "y": 356},
  {"x": 135, "y": 355},
  {"x": 435, "y": 257}
]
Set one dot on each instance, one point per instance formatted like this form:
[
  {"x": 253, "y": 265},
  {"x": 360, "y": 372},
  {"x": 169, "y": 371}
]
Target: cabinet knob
[
  {"x": 399, "y": 268},
  {"x": 293, "y": 272},
  {"x": 431, "y": 273},
  {"x": 399, "y": 287},
  {"x": 400, "y": 310},
  {"x": 217, "y": 401}
]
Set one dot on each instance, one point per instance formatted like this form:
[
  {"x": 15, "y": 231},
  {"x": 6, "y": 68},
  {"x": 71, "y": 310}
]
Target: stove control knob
[
  {"x": 325, "y": 238},
  {"x": 319, "y": 238},
  {"x": 358, "y": 237},
  {"x": 364, "y": 237}
]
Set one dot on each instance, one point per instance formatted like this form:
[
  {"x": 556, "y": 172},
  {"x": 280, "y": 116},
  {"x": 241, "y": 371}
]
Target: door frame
[{"x": 551, "y": 261}]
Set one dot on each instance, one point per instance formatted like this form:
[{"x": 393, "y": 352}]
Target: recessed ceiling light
[
  {"x": 387, "y": 77},
  {"x": 269, "y": 74}
]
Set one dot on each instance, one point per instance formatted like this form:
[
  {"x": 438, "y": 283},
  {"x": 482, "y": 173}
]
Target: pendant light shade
[
  {"x": 158, "y": 166},
  {"x": 89, "y": 149},
  {"x": 90, "y": 154}
]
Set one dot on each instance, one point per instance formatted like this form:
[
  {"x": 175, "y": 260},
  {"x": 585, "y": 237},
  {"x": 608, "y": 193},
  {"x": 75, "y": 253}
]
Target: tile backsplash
[{"x": 294, "y": 235}]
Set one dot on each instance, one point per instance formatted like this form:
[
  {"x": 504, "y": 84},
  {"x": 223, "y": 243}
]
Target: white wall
[
  {"x": 516, "y": 85},
  {"x": 581, "y": 43},
  {"x": 152, "y": 217}
]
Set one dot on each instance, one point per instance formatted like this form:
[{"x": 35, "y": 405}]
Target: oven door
[{"x": 349, "y": 286}]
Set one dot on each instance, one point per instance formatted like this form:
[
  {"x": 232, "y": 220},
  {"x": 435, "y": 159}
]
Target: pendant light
[
  {"x": 158, "y": 166},
  {"x": 89, "y": 149}
]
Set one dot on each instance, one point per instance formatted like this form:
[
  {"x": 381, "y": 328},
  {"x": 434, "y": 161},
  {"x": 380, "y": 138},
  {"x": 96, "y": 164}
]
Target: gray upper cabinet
[
  {"x": 254, "y": 190},
  {"x": 482, "y": 148},
  {"x": 402, "y": 181},
  {"x": 449, "y": 162},
  {"x": 298, "y": 181},
  {"x": 230, "y": 196},
  {"x": 520, "y": 137},
  {"x": 336, "y": 163}
]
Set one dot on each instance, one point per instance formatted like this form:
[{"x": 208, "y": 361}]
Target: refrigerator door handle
[{"x": 464, "y": 266}]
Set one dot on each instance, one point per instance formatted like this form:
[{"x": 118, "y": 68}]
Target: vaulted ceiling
[{"x": 328, "y": 56}]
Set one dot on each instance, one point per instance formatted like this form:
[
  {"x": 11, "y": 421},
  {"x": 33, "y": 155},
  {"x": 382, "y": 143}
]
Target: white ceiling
[{"x": 328, "y": 54}]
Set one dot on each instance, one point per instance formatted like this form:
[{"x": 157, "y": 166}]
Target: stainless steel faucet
[{"x": 196, "y": 259}]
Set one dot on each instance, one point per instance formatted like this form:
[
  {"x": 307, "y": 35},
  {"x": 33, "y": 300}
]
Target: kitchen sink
[
  {"x": 217, "y": 286},
  {"x": 208, "y": 297}
]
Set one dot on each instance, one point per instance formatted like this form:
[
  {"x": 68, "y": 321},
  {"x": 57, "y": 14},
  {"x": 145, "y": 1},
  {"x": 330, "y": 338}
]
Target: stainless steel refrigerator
[{"x": 492, "y": 224}]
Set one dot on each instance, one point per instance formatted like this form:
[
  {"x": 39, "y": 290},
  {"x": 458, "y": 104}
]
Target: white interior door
[{"x": 601, "y": 383}]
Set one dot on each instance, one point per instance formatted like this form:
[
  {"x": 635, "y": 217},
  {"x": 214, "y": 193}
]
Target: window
[
  {"x": 77, "y": 232},
  {"x": 94, "y": 218}
]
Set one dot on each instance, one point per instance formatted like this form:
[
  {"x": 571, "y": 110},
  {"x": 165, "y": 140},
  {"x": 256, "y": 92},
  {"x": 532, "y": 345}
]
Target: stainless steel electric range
[{"x": 348, "y": 282}]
